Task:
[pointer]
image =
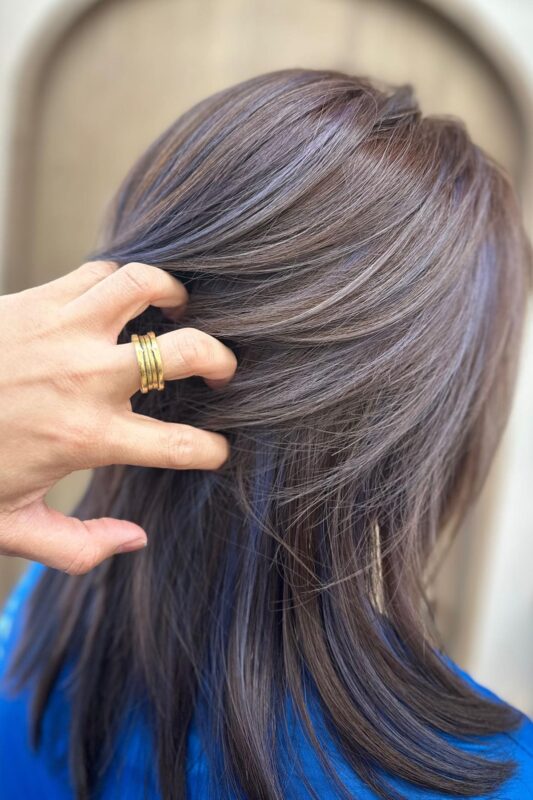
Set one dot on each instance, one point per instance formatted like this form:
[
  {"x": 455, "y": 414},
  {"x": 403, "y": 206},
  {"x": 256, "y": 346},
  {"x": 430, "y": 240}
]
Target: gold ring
[
  {"x": 158, "y": 360},
  {"x": 149, "y": 361}
]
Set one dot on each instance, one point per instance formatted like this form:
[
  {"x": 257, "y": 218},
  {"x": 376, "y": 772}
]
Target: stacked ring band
[{"x": 149, "y": 360}]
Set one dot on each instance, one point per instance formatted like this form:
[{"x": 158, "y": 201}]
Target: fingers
[
  {"x": 126, "y": 292},
  {"x": 72, "y": 545},
  {"x": 184, "y": 353},
  {"x": 138, "y": 439},
  {"x": 79, "y": 280}
]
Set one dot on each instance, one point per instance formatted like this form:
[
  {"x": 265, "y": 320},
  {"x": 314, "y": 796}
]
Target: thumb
[{"x": 72, "y": 545}]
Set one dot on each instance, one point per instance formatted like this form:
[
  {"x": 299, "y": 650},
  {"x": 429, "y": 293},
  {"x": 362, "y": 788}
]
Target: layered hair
[{"x": 369, "y": 267}]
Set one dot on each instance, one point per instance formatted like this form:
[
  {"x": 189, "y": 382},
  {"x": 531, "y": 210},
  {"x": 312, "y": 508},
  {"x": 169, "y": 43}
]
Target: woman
[{"x": 368, "y": 268}]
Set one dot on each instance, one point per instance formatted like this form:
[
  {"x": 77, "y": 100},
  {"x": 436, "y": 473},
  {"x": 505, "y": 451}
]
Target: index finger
[{"x": 126, "y": 293}]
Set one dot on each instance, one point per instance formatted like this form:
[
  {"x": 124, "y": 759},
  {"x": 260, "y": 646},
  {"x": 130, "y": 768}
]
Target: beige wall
[{"x": 49, "y": 145}]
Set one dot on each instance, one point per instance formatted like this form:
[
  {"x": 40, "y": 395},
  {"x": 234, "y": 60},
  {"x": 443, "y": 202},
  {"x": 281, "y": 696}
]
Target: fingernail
[{"x": 134, "y": 544}]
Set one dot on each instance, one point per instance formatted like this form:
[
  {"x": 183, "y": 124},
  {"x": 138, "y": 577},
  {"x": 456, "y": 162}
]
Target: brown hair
[{"x": 369, "y": 267}]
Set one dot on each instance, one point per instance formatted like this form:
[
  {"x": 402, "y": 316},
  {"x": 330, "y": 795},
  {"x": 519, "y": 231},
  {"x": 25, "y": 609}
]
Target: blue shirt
[{"x": 43, "y": 775}]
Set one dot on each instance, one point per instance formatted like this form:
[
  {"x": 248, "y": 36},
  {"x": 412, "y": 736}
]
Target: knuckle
[
  {"x": 75, "y": 432},
  {"x": 98, "y": 269},
  {"x": 195, "y": 349},
  {"x": 85, "y": 559},
  {"x": 137, "y": 276},
  {"x": 181, "y": 447},
  {"x": 69, "y": 377}
]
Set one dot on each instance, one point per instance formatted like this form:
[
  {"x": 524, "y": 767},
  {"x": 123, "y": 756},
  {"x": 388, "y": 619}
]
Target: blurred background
[{"x": 86, "y": 85}]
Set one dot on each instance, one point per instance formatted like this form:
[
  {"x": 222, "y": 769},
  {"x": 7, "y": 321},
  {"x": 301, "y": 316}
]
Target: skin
[{"x": 66, "y": 385}]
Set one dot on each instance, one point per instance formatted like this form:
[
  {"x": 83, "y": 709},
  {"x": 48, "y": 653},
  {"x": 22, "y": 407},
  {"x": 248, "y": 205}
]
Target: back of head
[{"x": 369, "y": 267}]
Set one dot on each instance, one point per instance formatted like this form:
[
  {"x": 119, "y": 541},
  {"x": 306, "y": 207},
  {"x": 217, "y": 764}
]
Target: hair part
[{"x": 369, "y": 267}]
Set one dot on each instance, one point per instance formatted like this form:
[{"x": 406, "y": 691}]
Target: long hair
[{"x": 369, "y": 267}]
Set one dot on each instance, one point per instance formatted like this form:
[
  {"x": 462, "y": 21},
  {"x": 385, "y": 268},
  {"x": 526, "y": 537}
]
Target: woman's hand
[{"x": 65, "y": 386}]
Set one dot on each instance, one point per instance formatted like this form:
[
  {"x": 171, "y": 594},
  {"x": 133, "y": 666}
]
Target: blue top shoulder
[{"x": 28, "y": 774}]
